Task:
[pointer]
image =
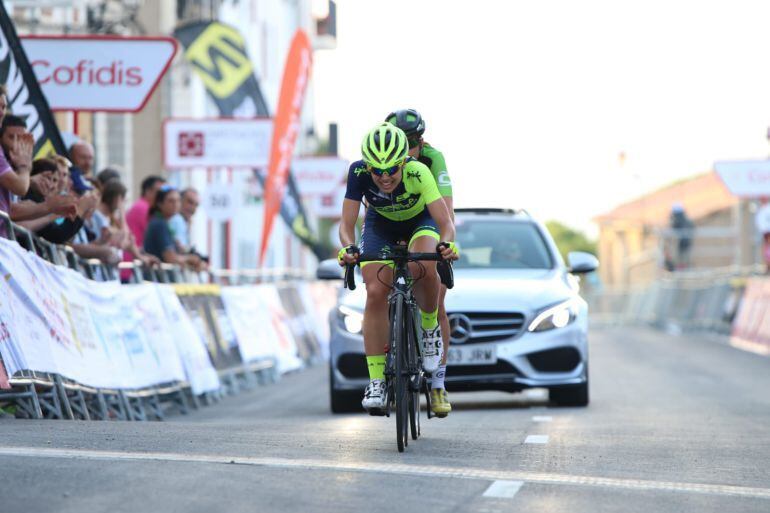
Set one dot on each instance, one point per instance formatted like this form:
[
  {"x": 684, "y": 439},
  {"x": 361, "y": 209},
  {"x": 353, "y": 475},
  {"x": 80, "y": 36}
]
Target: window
[{"x": 494, "y": 244}]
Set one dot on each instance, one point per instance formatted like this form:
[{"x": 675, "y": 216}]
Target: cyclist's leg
[
  {"x": 377, "y": 277},
  {"x": 443, "y": 321},
  {"x": 424, "y": 238},
  {"x": 439, "y": 400}
]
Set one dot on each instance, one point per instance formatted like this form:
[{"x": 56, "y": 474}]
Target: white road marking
[
  {"x": 503, "y": 489},
  {"x": 542, "y": 418},
  {"x": 536, "y": 439},
  {"x": 395, "y": 468}
]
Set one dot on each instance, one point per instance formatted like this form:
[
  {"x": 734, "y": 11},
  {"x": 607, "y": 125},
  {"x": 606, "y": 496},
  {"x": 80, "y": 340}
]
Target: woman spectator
[
  {"x": 108, "y": 219},
  {"x": 158, "y": 239}
]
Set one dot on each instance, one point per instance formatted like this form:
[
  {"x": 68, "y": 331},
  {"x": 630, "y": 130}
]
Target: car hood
[{"x": 494, "y": 290}]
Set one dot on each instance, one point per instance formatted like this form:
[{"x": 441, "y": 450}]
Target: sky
[{"x": 533, "y": 103}]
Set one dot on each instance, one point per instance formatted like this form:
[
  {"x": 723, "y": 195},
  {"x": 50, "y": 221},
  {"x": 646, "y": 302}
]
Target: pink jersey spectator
[{"x": 137, "y": 220}]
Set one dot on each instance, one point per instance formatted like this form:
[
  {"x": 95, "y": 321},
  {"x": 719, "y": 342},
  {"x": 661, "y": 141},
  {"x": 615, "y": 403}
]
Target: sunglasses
[
  {"x": 390, "y": 171},
  {"x": 413, "y": 143}
]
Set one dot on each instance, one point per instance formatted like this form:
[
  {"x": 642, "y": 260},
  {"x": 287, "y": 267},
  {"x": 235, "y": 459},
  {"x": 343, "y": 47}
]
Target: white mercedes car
[{"x": 516, "y": 316}]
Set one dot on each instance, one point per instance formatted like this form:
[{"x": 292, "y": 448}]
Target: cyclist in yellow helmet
[{"x": 403, "y": 204}]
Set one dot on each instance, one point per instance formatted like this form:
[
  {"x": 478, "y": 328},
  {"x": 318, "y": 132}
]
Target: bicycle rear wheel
[
  {"x": 401, "y": 378},
  {"x": 415, "y": 377}
]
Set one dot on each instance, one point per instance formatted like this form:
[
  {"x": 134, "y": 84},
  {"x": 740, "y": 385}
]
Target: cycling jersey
[
  {"x": 408, "y": 200},
  {"x": 434, "y": 159}
]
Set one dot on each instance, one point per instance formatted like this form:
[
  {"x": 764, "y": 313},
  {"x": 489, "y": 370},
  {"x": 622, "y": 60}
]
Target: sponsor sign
[
  {"x": 219, "y": 201},
  {"x": 319, "y": 176},
  {"x": 216, "y": 143},
  {"x": 99, "y": 73},
  {"x": 745, "y": 178}
]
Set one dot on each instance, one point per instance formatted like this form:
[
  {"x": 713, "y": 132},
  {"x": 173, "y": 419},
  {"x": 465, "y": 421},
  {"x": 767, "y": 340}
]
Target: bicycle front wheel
[{"x": 401, "y": 377}]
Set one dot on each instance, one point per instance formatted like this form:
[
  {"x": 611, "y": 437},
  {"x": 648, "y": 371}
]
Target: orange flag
[{"x": 286, "y": 126}]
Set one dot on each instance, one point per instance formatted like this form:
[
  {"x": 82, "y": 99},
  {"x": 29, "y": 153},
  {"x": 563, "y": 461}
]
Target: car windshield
[{"x": 489, "y": 244}]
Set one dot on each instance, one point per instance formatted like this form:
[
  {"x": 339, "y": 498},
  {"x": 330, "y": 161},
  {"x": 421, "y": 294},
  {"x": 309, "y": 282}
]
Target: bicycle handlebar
[{"x": 444, "y": 267}]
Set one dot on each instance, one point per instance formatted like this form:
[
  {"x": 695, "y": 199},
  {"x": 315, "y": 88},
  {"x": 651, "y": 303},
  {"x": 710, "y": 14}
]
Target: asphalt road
[{"x": 675, "y": 424}]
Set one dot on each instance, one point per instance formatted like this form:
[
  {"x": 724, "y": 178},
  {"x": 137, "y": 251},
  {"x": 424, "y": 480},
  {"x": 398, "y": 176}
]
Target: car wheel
[
  {"x": 576, "y": 395},
  {"x": 343, "y": 401}
]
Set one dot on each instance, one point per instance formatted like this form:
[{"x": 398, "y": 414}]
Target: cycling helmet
[
  {"x": 408, "y": 120},
  {"x": 385, "y": 146}
]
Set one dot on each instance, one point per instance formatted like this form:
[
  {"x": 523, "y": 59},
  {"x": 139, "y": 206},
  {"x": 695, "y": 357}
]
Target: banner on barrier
[
  {"x": 751, "y": 328},
  {"x": 261, "y": 323},
  {"x": 100, "y": 334}
]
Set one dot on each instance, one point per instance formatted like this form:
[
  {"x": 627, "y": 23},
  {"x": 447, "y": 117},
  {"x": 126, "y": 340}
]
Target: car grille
[{"x": 486, "y": 326}]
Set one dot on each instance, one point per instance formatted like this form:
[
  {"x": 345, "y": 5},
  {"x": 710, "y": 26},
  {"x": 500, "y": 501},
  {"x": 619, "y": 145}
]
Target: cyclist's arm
[
  {"x": 350, "y": 210},
  {"x": 440, "y": 214},
  {"x": 450, "y": 205}
]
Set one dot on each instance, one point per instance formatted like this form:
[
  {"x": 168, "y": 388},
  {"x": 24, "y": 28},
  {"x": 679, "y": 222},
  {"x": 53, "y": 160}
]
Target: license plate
[{"x": 476, "y": 354}]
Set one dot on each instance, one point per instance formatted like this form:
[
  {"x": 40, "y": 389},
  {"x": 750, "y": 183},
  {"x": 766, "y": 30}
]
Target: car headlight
[
  {"x": 352, "y": 320},
  {"x": 555, "y": 317}
]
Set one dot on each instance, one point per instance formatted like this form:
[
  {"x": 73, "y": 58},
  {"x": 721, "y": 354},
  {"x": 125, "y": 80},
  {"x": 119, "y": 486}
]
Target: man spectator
[
  {"x": 762, "y": 221},
  {"x": 682, "y": 228},
  {"x": 137, "y": 216},
  {"x": 181, "y": 222},
  {"x": 15, "y": 161},
  {"x": 82, "y": 157}
]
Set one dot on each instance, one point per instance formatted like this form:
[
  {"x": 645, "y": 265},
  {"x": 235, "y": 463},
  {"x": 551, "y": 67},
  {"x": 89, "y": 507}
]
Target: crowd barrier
[
  {"x": 751, "y": 329},
  {"x": 704, "y": 301},
  {"x": 72, "y": 347}
]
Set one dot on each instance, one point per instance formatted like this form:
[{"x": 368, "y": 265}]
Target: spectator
[
  {"x": 180, "y": 223},
  {"x": 158, "y": 240},
  {"x": 107, "y": 174},
  {"x": 3, "y": 102},
  {"x": 15, "y": 161},
  {"x": 682, "y": 229},
  {"x": 65, "y": 182},
  {"x": 109, "y": 216},
  {"x": 55, "y": 216},
  {"x": 137, "y": 216},
  {"x": 82, "y": 157},
  {"x": 762, "y": 221}
]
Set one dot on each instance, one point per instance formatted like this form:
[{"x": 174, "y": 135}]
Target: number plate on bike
[{"x": 476, "y": 354}]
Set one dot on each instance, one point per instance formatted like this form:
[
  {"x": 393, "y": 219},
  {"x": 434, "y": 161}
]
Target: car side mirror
[
  {"x": 330, "y": 270},
  {"x": 582, "y": 263}
]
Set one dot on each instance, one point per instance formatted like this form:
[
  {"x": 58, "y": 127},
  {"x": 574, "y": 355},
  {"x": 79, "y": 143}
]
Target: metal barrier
[
  {"x": 39, "y": 395},
  {"x": 684, "y": 300}
]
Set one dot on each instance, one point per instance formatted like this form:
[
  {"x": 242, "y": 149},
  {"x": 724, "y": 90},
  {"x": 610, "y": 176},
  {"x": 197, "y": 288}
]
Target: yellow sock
[
  {"x": 429, "y": 319},
  {"x": 376, "y": 366}
]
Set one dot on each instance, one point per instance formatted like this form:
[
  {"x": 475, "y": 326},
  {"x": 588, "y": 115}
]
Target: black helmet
[{"x": 408, "y": 120}]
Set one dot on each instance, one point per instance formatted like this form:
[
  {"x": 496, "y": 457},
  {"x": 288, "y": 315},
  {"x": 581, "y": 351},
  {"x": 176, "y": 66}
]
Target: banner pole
[
  {"x": 228, "y": 225},
  {"x": 209, "y": 228}
]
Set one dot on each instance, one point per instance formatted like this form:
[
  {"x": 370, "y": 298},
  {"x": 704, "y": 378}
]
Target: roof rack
[{"x": 486, "y": 210}]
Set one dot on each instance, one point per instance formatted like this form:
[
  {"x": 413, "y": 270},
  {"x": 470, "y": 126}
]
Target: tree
[{"x": 568, "y": 239}]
